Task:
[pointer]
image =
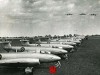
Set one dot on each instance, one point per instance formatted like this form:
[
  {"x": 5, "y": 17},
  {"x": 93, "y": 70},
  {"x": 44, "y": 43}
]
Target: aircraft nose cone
[
  {"x": 57, "y": 58},
  {"x": 71, "y": 47},
  {"x": 77, "y": 41},
  {"x": 74, "y": 43},
  {"x": 64, "y": 51}
]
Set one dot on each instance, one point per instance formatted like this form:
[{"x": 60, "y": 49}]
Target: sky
[{"x": 43, "y": 17}]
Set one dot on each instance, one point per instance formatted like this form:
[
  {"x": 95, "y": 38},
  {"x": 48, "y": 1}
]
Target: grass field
[{"x": 85, "y": 61}]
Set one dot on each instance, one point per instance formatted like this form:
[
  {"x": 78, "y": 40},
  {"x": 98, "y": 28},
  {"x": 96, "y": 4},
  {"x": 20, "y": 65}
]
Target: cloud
[
  {"x": 41, "y": 17},
  {"x": 71, "y": 7},
  {"x": 3, "y": 3}
]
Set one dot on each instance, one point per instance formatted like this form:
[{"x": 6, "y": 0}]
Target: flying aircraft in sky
[{"x": 26, "y": 60}]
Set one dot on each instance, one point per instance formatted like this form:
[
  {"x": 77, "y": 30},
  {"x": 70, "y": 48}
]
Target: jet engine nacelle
[
  {"x": 54, "y": 47},
  {"x": 19, "y": 62},
  {"x": 45, "y": 52}
]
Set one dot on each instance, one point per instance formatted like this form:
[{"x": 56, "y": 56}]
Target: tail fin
[
  {"x": 48, "y": 41},
  {"x": 24, "y": 42},
  {"x": 38, "y": 42},
  {"x": 6, "y": 45}
]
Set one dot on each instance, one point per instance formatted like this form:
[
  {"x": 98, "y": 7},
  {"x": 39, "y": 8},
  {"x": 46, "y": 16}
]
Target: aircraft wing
[{"x": 20, "y": 62}]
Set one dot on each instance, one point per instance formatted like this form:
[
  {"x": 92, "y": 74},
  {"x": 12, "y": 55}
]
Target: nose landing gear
[
  {"x": 64, "y": 56},
  {"x": 28, "y": 71},
  {"x": 58, "y": 64}
]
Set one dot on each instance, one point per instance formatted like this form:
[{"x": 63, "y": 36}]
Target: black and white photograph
[{"x": 49, "y": 37}]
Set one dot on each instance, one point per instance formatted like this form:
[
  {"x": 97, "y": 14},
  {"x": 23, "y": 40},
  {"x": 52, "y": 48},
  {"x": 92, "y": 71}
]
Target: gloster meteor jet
[{"x": 26, "y": 60}]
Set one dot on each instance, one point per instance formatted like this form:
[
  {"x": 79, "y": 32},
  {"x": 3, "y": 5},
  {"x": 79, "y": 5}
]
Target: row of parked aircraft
[{"x": 29, "y": 55}]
